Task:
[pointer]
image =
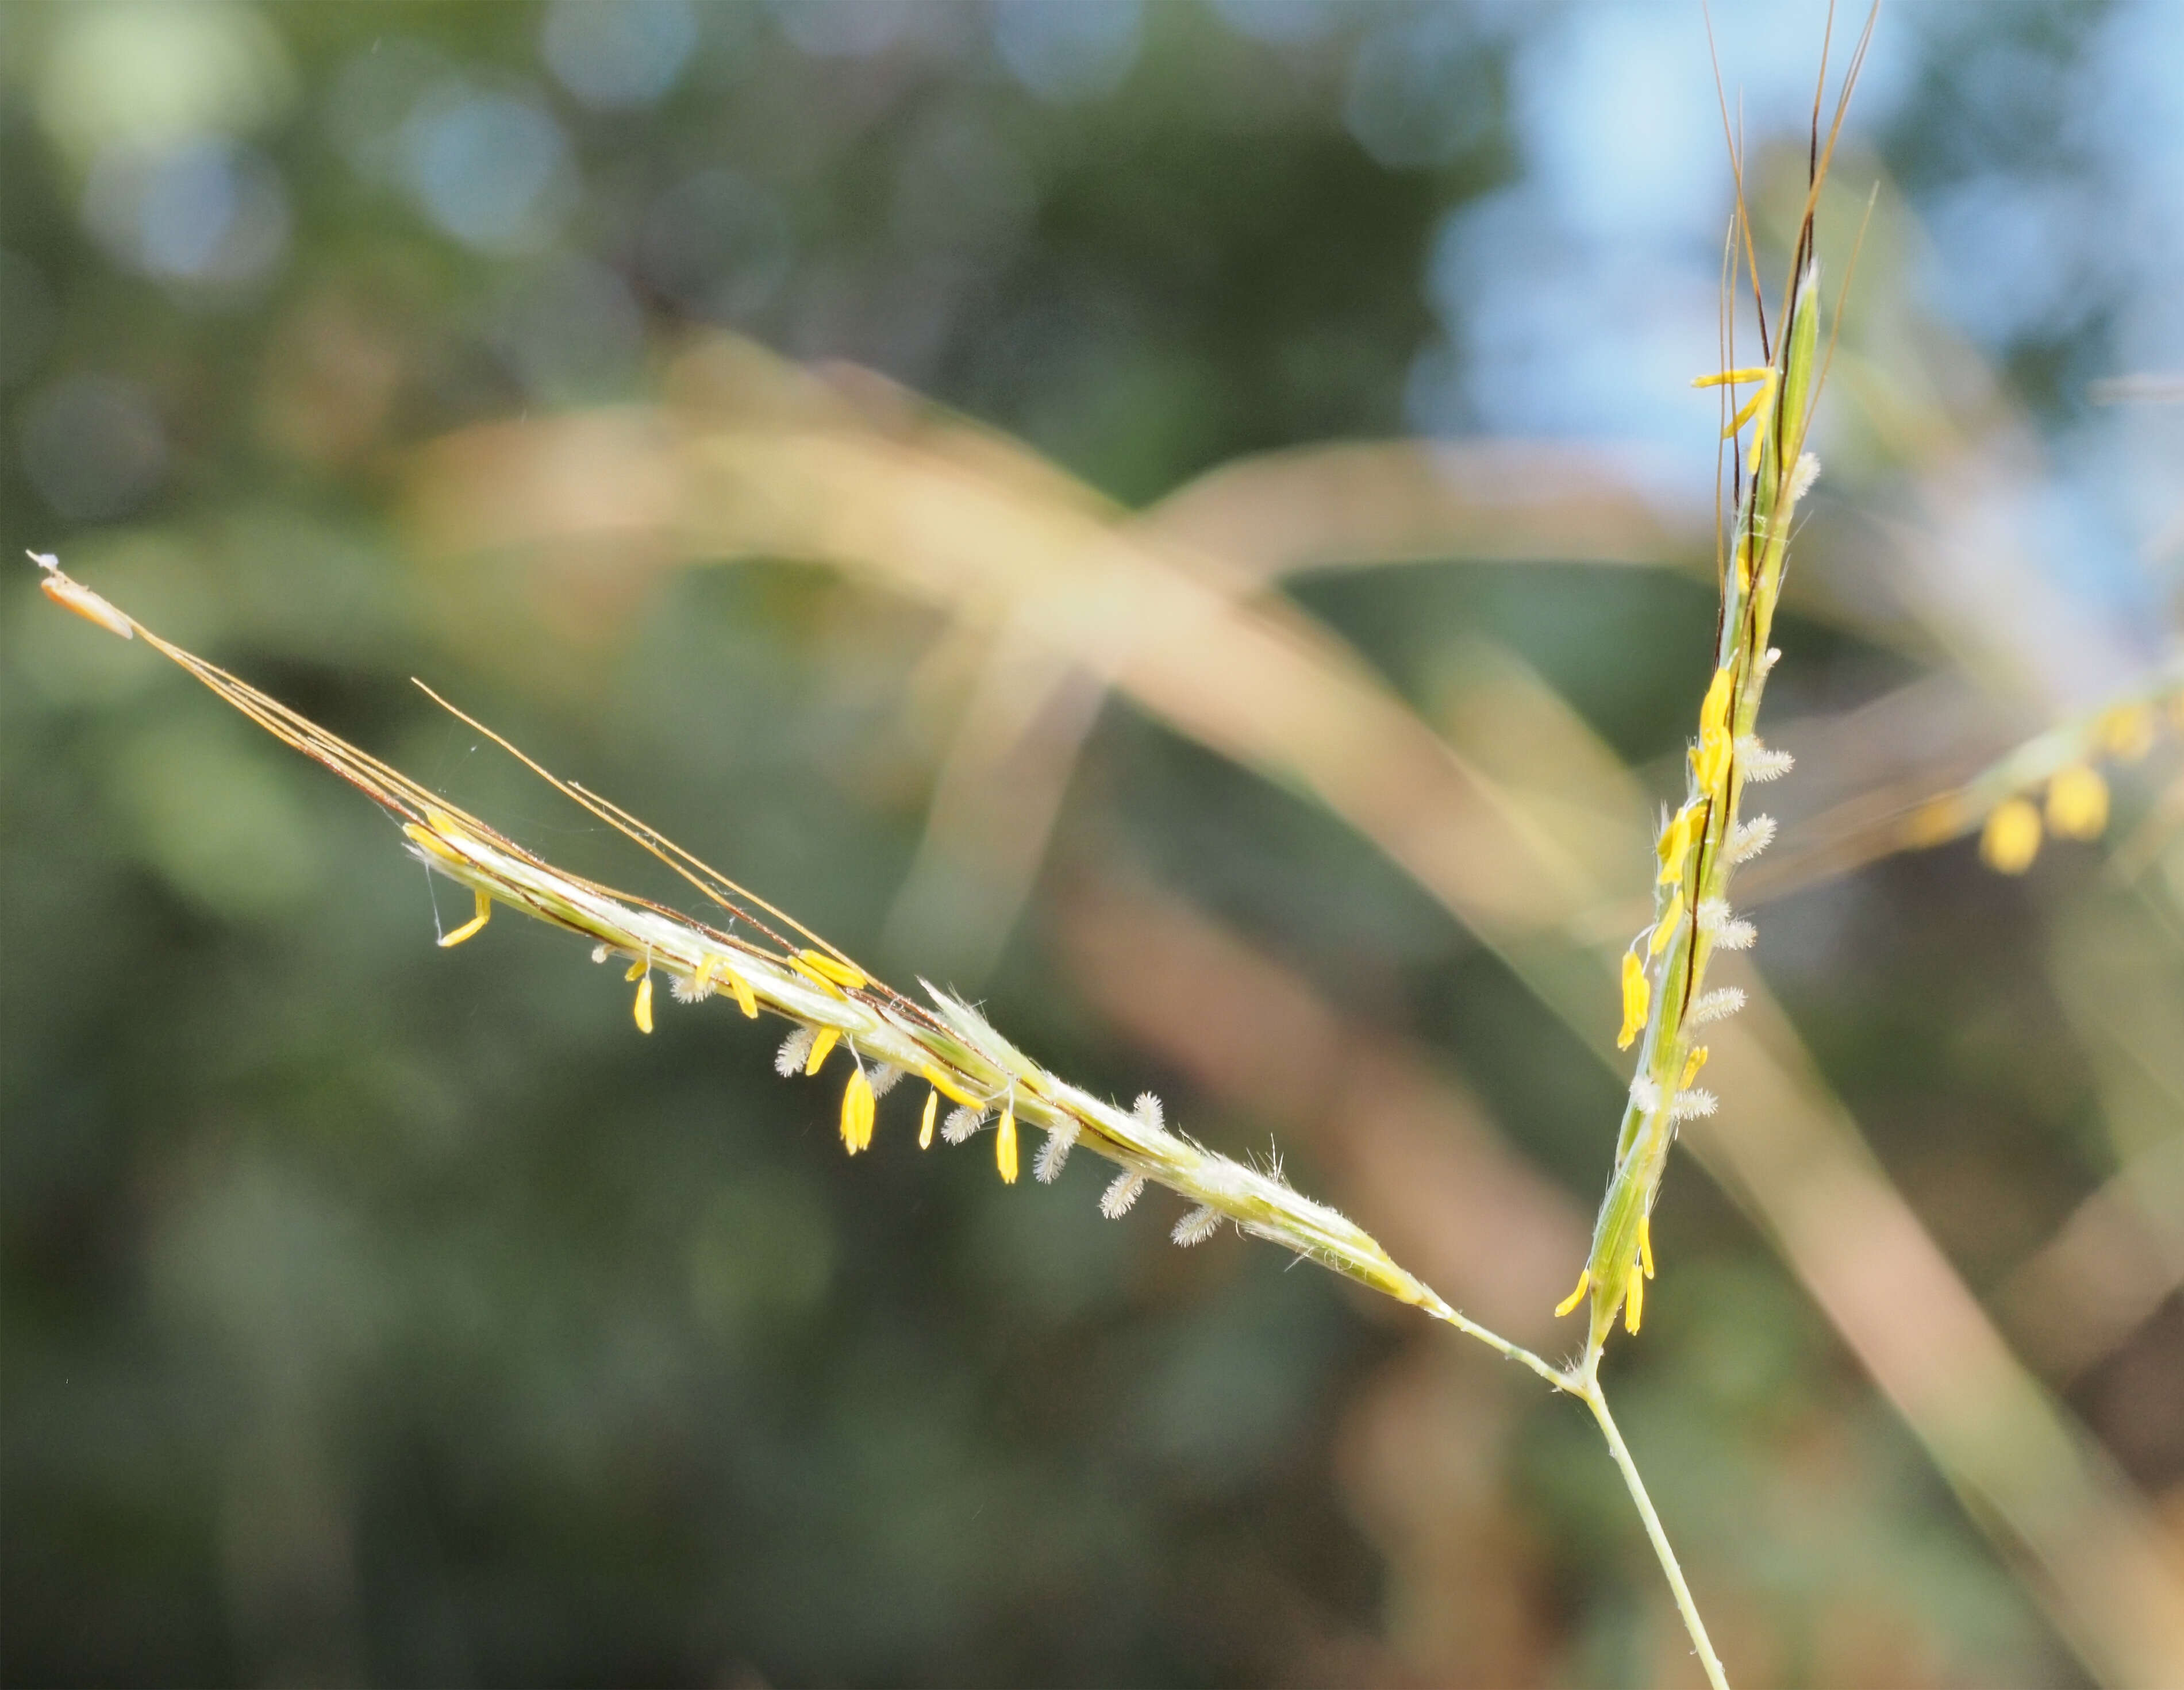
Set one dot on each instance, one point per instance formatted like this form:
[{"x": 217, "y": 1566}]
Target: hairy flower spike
[
  {"x": 962, "y": 1124},
  {"x": 1055, "y": 1153},
  {"x": 1646, "y": 1093},
  {"x": 1717, "y": 1005},
  {"x": 693, "y": 988},
  {"x": 885, "y": 1078},
  {"x": 1727, "y": 933},
  {"x": 1761, "y": 765},
  {"x": 1147, "y": 1109},
  {"x": 1802, "y": 477},
  {"x": 1747, "y": 839},
  {"x": 1115, "y": 1202},
  {"x": 1691, "y": 1104},
  {"x": 790, "y": 1058},
  {"x": 1197, "y": 1226}
]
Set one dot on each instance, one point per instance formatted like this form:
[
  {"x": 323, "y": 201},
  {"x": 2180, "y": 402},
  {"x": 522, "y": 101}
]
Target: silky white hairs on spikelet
[
  {"x": 795, "y": 1051},
  {"x": 1197, "y": 1226},
  {"x": 1147, "y": 1109},
  {"x": 1645, "y": 1093},
  {"x": 962, "y": 1123},
  {"x": 1115, "y": 1203},
  {"x": 1060, "y": 1138},
  {"x": 885, "y": 1079},
  {"x": 691, "y": 988},
  {"x": 1747, "y": 839},
  {"x": 1698, "y": 1101},
  {"x": 600, "y": 952},
  {"x": 1716, "y": 1005},
  {"x": 1802, "y": 477},
  {"x": 1727, "y": 933},
  {"x": 1760, "y": 764}
]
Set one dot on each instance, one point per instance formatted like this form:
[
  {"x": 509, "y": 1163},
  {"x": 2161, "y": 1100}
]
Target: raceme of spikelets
[
  {"x": 835, "y": 1004},
  {"x": 2058, "y": 768},
  {"x": 1664, "y": 996}
]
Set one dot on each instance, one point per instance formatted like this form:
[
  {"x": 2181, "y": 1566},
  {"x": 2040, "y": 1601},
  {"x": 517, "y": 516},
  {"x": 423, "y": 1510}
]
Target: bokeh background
[{"x": 1186, "y": 520}]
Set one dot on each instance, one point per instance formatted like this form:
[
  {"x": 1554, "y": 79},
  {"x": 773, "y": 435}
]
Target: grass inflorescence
[{"x": 1766, "y": 470}]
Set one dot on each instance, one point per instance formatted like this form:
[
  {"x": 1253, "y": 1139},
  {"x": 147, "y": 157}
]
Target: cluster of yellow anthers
[
  {"x": 1663, "y": 970},
  {"x": 835, "y": 1004},
  {"x": 2076, "y": 805}
]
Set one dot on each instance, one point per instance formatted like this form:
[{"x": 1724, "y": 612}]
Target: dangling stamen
[{"x": 484, "y": 915}]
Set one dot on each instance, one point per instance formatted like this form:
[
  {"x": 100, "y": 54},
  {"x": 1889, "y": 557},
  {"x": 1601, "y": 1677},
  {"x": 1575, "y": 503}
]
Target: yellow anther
[
  {"x": 1645, "y": 1244},
  {"x": 1634, "y": 1304},
  {"x": 637, "y": 969},
  {"x": 741, "y": 988},
  {"x": 2011, "y": 838},
  {"x": 2127, "y": 731},
  {"x": 1634, "y": 999},
  {"x": 1665, "y": 928},
  {"x": 825, "y": 1042},
  {"x": 832, "y": 969},
  {"x": 644, "y": 1010},
  {"x": 925, "y": 1121},
  {"x": 1675, "y": 842},
  {"x": 1570, "y": 1302},
  {"x": 1723, "y": 378},
  {"x": 1692, "y": 1063},
  {"x": 1005, "y": 1144},
  {"x": 947, "y": 1088},
  {"x": 1711, "y": 762},
  {"x": 432, "y": 841},
  {"x": 1767, "y": 377},
  {"x": 857, "y": 1108},
  {"x": 484, "y": 915},
  {"x": 2077, "y": 803}
]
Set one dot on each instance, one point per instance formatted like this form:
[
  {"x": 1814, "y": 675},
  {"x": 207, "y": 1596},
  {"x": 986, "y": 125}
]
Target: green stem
[{"x": 1596, "y": 1401}]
